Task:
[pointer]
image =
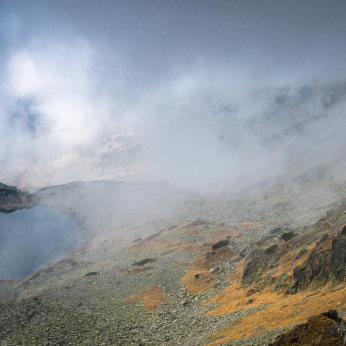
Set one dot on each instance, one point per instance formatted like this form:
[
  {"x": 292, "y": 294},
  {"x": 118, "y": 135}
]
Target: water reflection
[{"x": 31, "y": 238}]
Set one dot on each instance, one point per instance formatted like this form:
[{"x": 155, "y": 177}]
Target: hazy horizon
[{"x": 187, "y": 92}]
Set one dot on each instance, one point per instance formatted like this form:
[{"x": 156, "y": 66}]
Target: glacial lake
[{"x": 32, "y": 238}]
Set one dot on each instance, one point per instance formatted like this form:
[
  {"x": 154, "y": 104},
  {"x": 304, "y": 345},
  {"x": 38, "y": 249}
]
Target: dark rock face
[
  {"x": 276, "y": 230},
  {"x": 326, "y": 329},
  {"x": 243, "y": 252},
  {"x": 151, "y": 237},
  {"x": 323, "y": 239},
  {"x": 321, "y": 266},
  {"x": 287, "y": 236},
  {"x": 12, "y": 199},
  {"x": 258, "y": 261},
  {"x": 333, "y": 314},
  {"x": 271, "y": 249},
  {"x": 326, "y": 262},
  {"x": 343, "y": 232},
  {"x": 197, "y": 223},
  {"x": 220, "y": 244},
  {"x": 145, "y": 261},
  {"x": 338, "y": 260},
  {"x": 305, "y": 274},
  {"x": 91, "y": 274},
  {"x": 300, "y": 278},
  {"x": 252, "y": 269},
  {"x": 314, "y": 263}
]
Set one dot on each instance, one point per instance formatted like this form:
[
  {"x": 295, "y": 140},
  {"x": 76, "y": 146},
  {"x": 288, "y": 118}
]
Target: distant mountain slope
[{"x": 101, "y": 206}]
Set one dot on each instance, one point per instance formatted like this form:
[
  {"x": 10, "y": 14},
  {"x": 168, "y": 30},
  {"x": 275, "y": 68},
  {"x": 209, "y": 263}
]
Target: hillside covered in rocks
[
  {"x": 172, "y": 173},
  {"x": 164, "y": 266},
  {"x": 159, "y": 265}
]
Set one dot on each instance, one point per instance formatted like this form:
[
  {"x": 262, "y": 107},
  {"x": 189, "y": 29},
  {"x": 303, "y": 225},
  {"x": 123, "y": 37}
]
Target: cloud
[
  {"x": 53, "y": 107},
  {"x": 198, "y": 88},
  {"x": 58, "y": 78}
]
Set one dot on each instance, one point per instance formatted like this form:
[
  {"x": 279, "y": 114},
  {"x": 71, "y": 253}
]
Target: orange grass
[
  {"x": 151, "y": 297},
  {"x": 251, "y": 225},
  {"x": 206, "y": 260},
  {"x": 200, "y": 284},
  {"x": 282, "y": 310},
  {"x": 201, "y": 266},
  {"x": 224, "y": 231},
  {"x": 193, "y": 230}
]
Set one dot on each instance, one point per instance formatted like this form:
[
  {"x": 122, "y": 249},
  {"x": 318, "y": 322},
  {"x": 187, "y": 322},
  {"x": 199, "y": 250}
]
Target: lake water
[{"x": 31, "y": 238}]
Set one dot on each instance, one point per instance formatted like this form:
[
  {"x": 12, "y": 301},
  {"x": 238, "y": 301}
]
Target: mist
[
  {"x": 200, "y": 94},
  {"x": 32, "y": 238}
]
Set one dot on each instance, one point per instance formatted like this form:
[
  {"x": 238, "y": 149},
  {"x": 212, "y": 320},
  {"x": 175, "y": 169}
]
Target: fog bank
[{"x": 191, "y": 93}]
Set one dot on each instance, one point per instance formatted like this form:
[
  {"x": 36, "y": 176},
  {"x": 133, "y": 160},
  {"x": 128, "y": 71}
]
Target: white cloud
[
  {"x": 201, "y": 125},
  {"x": 59, "y": 80},
  {"x": 58, "y": 86}
]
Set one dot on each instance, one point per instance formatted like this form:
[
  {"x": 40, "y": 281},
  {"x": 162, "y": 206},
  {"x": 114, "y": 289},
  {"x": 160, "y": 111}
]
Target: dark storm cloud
[
  {"x": 156, "y": 37},
  {"x": 191, "y": 79}
]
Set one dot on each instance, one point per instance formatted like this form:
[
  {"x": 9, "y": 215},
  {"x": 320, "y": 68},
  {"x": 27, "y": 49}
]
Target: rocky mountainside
[
  {"x": 104, "y": 206},
  {"x": 326, "y": 329},
  {"x": 163, "y": 266},
  {"x": 193, "y": 282}
]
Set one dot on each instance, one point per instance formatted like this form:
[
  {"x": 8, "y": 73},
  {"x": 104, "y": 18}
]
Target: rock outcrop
[
  {"x": 327, "y": 329},
  {"x": 327, "y": 262},
  {"x": 12, "y": 199}
]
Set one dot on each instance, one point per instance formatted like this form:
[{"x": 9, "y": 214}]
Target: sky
[{"x": 184, "y": 91}]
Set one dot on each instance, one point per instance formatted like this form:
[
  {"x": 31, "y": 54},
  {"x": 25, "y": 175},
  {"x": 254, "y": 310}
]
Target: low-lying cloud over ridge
[{"x": 198, "y": 94}]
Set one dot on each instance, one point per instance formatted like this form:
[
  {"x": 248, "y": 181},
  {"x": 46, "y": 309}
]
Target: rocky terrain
[
  {"x": 325, "y": 329},
  {"x": 12, "y": 199},
  {"x": 172, "y": 173},
  {"x": 164, "y": 266}
]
